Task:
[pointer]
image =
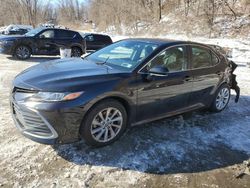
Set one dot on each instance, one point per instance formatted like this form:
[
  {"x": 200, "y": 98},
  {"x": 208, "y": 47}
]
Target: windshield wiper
[{"x": 104, "y": 62}]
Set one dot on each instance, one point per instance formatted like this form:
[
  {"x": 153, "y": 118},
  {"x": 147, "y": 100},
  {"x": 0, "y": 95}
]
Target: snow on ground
[{"x": 198, "y": 149}]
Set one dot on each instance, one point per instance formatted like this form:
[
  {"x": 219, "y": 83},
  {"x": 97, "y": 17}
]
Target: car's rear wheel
[
  {"x": 104, "y": 123},
  {"x": 221, "y": 98},
  {"x": 76, "y": 52},
  {"x": 22, "y": 52}
]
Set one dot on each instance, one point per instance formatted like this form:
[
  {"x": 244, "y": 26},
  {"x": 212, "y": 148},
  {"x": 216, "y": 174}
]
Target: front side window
[
  {"x": 124, "y": 54},
  {"x": 174, "y": 59},
  {"x": 47, "y": 34},
  {"x": 201, "y": 57}
]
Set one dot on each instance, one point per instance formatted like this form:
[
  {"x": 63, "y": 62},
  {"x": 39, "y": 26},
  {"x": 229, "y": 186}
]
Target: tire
[
  {"x": 22, "y": 52},
  {"x": 76, "y": 52},
  {"x": 97, "y": 131},
  {"x": 221, "y": 98}
]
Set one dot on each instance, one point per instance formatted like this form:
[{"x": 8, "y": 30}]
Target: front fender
[{"x": 129, "y": 102}]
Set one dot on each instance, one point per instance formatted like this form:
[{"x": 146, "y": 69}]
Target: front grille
[{"x": 31, "y": 122}]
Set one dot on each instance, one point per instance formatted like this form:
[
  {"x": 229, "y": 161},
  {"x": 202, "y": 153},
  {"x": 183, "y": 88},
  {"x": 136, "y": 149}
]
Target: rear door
[
  {"x": 94, "y": 42},
  {"x": 206, "y": 73},
  {"x": 64, "y": 38},
  {"x": 90, "y": 42}
]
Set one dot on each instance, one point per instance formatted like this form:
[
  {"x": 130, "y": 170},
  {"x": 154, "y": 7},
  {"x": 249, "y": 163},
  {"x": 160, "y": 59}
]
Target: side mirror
[
  {"x": 161, "y": 70},
  {"x": 41, "y": 36}
]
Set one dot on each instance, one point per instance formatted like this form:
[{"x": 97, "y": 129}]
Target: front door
[
  {"x": 159, "y": 94},
  {"x": 46, "y": 44}
]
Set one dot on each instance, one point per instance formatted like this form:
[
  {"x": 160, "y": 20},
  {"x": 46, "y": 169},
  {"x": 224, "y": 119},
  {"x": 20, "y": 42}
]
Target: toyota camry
[{"x": 130, "y": 82}]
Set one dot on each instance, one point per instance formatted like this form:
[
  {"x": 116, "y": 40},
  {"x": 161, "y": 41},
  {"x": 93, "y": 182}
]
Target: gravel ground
[{"x": 197, "y": 149}]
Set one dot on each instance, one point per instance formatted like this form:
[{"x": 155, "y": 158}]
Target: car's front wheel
[
  {"x": 221, "y": 98},
  {"x": 104, "y": 123},
  {"x": 22, "y": 52}
]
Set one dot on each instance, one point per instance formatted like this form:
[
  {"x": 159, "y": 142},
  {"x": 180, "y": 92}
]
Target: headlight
[
  {"x": 4, "y": 42},
  {"x": 53, "y": 97}
]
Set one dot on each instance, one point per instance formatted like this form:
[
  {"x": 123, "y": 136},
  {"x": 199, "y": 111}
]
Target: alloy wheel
[
  {"x": 222, "y": 98},
  {"x": 106, "y": 124},
  {"x": 22, "y": 52}
]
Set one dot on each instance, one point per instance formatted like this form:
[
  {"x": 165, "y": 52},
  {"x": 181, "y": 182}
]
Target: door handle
[
  {"x": 218, "y": 73},
  {"x": 187, "y": 78}
]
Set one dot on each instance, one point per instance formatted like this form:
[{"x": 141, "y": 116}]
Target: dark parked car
[
  {"x": 14, "y": 29},
  {"x": 42, "y": 41},
  {"x": 19, "y": 31},
  {"x": 96, "y": 41},
  {"x": 130, "y": 82}
]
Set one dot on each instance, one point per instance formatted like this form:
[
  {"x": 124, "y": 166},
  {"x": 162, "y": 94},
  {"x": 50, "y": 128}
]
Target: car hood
[
  {"x": 65, "y": 75},
  {"x": 11, "y": 37}
]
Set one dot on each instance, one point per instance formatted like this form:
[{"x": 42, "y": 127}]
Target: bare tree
[
  {"x": 70, "y": 11},
  {"x": 230, "y": 8},
  {"x": 31, "y": 8}
]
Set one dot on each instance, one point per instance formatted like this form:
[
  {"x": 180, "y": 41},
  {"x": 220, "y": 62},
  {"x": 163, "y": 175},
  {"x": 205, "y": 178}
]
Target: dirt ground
[{"x": 198, "y": 149}]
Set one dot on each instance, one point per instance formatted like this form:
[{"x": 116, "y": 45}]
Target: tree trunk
[{"x": 159, "y": 7}]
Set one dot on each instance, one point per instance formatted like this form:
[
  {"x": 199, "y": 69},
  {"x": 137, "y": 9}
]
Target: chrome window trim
[
  {"x": 209, "y": 48},
  {"x": 155, "y": 74},
  {"x": 188, "y": 69}
]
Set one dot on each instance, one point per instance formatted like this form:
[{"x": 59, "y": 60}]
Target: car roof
[
  {"x": 54, "y": 28},
  {"x": 168, "y": 42},
  {"x": 85, "y": 34}
]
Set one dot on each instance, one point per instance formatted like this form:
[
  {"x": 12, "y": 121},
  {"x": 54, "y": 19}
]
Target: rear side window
[
  {"x": 89, "y": 38},
  {"x": 215, "y": 59},
  {"x": 99, "y": 38},
  {"x": 202, "y": 57},
  {"x": 107, "y": 39},
  {"x": 62, "y": 34},
  {"x": 104, "y": 38}
]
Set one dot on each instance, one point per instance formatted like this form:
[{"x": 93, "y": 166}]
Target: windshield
[
  {"x": 33, "y": 32},
  {"x": 83, "y": 34},
  {"x": 124, "y": 54}
]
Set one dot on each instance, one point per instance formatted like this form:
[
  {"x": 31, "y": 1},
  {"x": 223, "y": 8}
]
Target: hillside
[{"x": 212, "y": 19}]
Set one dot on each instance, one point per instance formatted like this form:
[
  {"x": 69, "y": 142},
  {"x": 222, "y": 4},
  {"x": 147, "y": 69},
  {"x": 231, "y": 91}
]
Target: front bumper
[
  {"x": 6, "y": 49},
  {"x": 47, "y": 123},
  {"x": 32, "y": 124}
]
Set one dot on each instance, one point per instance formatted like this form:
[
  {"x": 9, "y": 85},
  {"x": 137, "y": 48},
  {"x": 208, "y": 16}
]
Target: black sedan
[{"x": 130, "y": 82}]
